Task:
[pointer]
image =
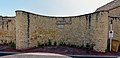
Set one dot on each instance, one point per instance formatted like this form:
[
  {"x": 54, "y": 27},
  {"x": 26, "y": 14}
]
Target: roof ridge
[{"x": 110, "y": 5}]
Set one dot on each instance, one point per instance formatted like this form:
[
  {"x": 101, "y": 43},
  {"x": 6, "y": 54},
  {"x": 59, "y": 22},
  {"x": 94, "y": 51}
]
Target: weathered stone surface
[
  {"x": 22, "y": 39},
  {"x": 7, "y": 30},
  {"x": 33, "y": 30},
  {"x": 114, "y": 14}
]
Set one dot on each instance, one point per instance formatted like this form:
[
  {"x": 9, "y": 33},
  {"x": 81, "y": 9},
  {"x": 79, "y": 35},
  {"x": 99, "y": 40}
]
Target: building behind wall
[
  {"x": 31, "y": 30},
  {"x": 114, "y": 14}
]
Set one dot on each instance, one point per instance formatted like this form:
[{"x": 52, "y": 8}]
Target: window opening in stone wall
[{"x": 60, "y": 26}]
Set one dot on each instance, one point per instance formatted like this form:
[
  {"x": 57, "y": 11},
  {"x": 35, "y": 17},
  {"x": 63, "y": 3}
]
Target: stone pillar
[
  {"x": 1, "y": 21},
  {"x": 101, "y": 32},
  {"x": 0, "y": 17},
  {"x": 22, "y": 29}
]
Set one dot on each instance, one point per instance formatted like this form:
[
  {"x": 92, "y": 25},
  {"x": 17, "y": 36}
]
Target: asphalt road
[
  {"x": 48, "y": 55},
  {"x": 92, "y": 56}
]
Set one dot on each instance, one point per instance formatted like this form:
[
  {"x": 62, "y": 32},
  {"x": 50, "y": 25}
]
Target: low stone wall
[{"x": 7, "y": 30}]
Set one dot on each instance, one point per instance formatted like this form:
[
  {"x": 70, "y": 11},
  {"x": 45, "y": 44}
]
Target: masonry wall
[
  {"x": 115, "y": 16},
  {"x": 33, "y": 30},
  {"x": 99, "y": 33},
  {"x": 7, "y": 30},
  {"x": 116, "y": 29},
  {"x": 115, "y": 12},
  {"x": 22, "y": 41}
]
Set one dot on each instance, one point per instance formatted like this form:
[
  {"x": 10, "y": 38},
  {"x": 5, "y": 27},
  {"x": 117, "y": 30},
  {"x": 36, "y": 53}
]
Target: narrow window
[{"x": 60, "y": 26}]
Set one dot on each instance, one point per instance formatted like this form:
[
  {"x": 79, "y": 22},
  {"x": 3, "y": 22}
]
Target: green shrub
[
  {"x": 49, "y": 42},
  {"x": 55, "y": 43},
  {"x": 12, "y": 44},
  {"x": 90, "y": 47},
  {"x": 5, "y": 42}
]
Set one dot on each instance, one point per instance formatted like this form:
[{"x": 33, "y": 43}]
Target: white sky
[{"x": 51, "y": 7}]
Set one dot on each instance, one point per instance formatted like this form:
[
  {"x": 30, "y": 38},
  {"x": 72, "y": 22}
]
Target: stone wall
[
  {"x": 22, "y": 30},
  {"x": 116, "y": 29},
  {"x": 7, "y": 30},
  {"x": 114, "y": 15},
  {"x": 33, "y": 30},
  {"x": 99, "y": 31},
  {"x": 114, "y": 12}
]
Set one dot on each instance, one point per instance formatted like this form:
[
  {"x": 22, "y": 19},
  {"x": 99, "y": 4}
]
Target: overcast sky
[{"x": 51, "y": 7}]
